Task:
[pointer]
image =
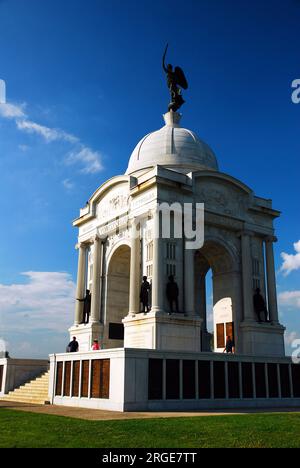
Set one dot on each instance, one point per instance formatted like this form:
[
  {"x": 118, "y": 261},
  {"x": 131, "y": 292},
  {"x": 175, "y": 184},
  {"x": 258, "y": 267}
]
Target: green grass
[{"x": 24, "y": 429}]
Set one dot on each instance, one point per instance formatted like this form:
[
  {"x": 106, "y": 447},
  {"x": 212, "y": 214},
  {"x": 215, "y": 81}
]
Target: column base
[
  {"x": 159, "y": 330},
  {"x": 86, "y": 333},
  {"x": 262, "y": 339}
]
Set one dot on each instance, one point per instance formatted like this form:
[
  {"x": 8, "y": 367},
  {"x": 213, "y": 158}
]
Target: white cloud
[
  {"x": 91, "y": 160},
  {"x": 82, "y": 154},
  {"x": 12, "y": 111},
  {"x": 46, "y": 301},
  {"x": 289, "y": 298},
  {"x": 291, "y": 262},
  {"x": 68, "y": 184},
  {"x": 49, "y": 134},
  {"x": 290, "y": 337}
]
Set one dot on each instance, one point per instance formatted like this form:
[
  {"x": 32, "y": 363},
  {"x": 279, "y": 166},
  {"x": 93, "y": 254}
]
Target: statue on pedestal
[
  {"x": 144, "y": 294},
  {"x": 172, "y": 292},
  {"x": 260, "y": 306},
  {"x": 175, "y": 80}
]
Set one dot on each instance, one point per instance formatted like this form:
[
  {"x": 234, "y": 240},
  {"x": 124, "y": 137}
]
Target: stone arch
[
  {"x": 117, "y": 294},
  {"x": 221, "y": 258}
]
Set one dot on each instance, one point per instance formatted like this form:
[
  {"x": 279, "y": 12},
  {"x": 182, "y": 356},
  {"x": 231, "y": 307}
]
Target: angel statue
[{"x": 175, "y": 80}]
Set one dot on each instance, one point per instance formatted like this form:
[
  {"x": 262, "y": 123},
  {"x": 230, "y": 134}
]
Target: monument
[{"x": 141, "y": 289}]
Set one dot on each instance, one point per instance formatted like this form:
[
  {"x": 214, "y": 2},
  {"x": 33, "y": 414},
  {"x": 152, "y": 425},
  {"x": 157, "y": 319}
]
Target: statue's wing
[{"x": 180, "y": 78}]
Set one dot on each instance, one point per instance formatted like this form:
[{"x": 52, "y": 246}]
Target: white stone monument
[{"x": 167, "y": 166}]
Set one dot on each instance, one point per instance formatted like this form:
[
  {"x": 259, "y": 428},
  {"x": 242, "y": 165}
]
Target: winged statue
[{"x": 175, "y": 80}]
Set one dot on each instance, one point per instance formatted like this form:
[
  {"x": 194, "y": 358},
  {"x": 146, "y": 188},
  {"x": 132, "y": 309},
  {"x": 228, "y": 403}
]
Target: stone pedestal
[
  {"x": 162, "y": 332},
  {"x": 86, "y": 334},
  {"x": 262, "y": 339}
]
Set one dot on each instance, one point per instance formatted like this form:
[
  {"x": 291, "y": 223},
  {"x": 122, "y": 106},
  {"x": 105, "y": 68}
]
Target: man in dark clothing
[
  {"x": 172, "y": 292},
  {"x": 259, "y": 305},
  {"x": 86, "y": 306},
  {"x": 73, "y": 346},
  {"x": 229, "y": 346},
  {"x": 144, "y": 294}
]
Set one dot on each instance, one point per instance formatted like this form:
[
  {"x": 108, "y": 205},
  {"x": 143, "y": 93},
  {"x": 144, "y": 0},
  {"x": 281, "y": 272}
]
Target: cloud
[
  {"x": 91, "y": 160},
  {"x": 290, "y": 337},
  {"x": 45, "y": 301},
  {"x": 49, "y": 134},
  {"x": 289, "y": 298},
  {"x": 68, "y": 184},
  {"x": 291, "y": 262},
  {"x": 12, "y": 111}
]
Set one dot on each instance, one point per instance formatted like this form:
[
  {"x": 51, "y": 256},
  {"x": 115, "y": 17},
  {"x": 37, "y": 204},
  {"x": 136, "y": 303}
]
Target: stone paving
[{"x": 98, "y": 415}]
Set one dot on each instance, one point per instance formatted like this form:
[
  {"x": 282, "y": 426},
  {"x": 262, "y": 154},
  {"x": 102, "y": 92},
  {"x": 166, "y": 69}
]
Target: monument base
[
  {"x": 162, "y": 332},
  {"x": 262, "y": 339},
  {"x": 86, "y": 333}
]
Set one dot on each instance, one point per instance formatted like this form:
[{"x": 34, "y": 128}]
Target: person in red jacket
[{"x": 95, "y": 346}]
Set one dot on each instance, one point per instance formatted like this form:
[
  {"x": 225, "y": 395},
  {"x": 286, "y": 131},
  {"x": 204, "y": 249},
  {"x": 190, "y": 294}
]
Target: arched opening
[
  {"x": 117, "y": 302},
  {"x": 216, "y": 293}
]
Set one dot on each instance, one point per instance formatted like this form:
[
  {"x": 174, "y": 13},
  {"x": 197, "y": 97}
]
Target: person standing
[
  {"x": 73, "y": 346},
  {"x": 229, "y": 345},
  {"x": 95, "y": 346}
]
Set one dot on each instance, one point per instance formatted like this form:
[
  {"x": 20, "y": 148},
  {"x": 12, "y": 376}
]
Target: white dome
[{"x": 172, "y": 147}]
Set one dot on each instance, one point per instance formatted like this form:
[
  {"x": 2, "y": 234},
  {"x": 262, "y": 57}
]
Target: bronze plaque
[
  {"x": 85, "y": 379},
  {"x": 59, "y": 369},
  {"x": 75, "y": 382},
  {"x": 67, "y": 378}
]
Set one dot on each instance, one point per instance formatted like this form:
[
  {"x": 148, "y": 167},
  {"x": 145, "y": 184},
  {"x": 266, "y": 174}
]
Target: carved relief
[
  {"x": 224, "y": 199},
  {"x": 113, "y": 204}
]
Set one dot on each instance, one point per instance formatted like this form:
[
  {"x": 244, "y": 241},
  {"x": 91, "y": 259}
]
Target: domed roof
[{"x": 173, "y": 147}]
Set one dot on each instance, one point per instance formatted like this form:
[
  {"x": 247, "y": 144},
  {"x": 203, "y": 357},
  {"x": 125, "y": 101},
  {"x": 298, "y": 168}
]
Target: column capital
[
  {"x": 270, "y": 239},
  {"x": 80, "y": 245},
  {"x": 244, "y": 233}
]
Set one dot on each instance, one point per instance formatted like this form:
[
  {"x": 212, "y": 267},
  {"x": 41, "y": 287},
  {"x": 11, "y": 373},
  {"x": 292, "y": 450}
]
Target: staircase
[{"x": 35, "y": 391}]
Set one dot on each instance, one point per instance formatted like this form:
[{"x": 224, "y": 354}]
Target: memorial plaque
[
  {"x": 95, "y": 386},
  {"x": 59, "y": 371},
  {"x": 155, "y": 379},
  {"x": 204, "y": 379},
  {"x": 219, "y": 379},
  {"x": 104, "y": 378},
  {"x": 188, "y": 379},
  {"x": 260, "y": 380},
  {"x": 285, "y": 381},
  {"x": 247, "y": 380},
  {"x": 85, "y": 379},
  {"x": 67, "y": 378},
  {"x": 233, "y": 380},
  {"x": 172, "y": 379},
  {"x": 273, "y": 380},
  {"x": 75, "y": 383}
]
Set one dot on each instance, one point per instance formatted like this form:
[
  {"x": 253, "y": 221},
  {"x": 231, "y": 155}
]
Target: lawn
[{"x": 24, "y": 429}]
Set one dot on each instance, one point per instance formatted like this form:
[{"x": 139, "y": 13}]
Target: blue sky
[{"x": 84, "y": 84}]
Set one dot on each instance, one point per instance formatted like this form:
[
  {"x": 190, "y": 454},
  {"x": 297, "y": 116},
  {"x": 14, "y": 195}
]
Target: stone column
[
  {"x": 271, "y": 280},
  {"x": 95, "y": 300},
  {"x": 81, "y": 272},
  {"x": 202, "y": 305},
  {"x": 135, "y": 280},
  {"x": 189, "y": 280},
  {"x": 158, "y": 285},
  {"x": 247, "y": 276}
]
